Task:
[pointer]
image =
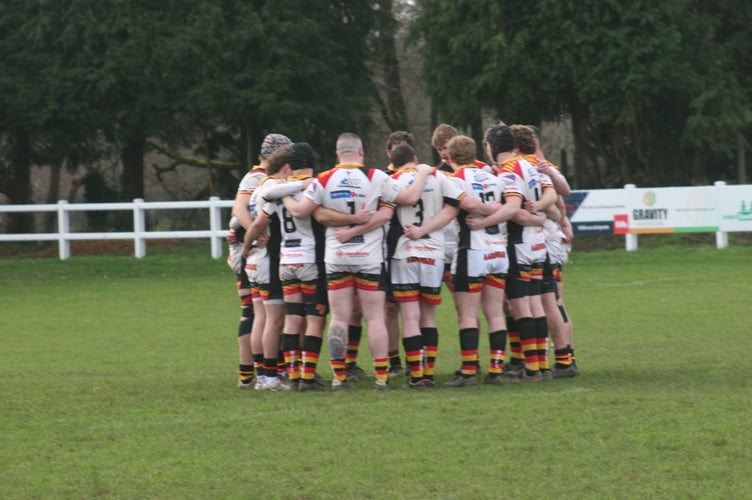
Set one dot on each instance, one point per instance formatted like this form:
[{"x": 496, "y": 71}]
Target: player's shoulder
[
  {"x": 512, "y": 166},
  {"x": 324, "y": 177}
]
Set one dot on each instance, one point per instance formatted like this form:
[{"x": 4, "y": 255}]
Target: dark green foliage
[
  {"x": 84, "y": 81},
  {"x": 658, "y": 93}
]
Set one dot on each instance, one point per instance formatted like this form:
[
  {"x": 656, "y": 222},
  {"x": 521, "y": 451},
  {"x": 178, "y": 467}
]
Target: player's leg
[
  {"x": 370, "y": 282},
  {"x": 316, "y": 309},
  {"x": 341, "y": 295},
  {"x": 246, "y": 372}
]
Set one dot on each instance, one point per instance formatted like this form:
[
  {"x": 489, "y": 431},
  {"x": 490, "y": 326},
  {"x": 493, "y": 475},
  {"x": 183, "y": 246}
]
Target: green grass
[{"x": 117, "y": 380}]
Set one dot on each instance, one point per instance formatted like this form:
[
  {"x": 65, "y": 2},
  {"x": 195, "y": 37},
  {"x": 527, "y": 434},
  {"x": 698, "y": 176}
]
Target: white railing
[
  {"x": 140, "y": 234},
  {"x": 629, "y": 211}
]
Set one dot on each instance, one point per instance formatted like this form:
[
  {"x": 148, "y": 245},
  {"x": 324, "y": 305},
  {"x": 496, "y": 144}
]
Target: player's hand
[
  {"x": 531, "y": 206},
  {"x": 568, "y": 232},
  {"x": 343, "y": 234},
  {"x": 413, "y": 232},
  {"x": 232, "y": 237},
  {"x": 474, "y": 222},
  {"x": 492, "y": 207},
  {"x": 425, "y": 169},
  {"x": 262, "y": 240},
  {"x": 362, "y": 215}
]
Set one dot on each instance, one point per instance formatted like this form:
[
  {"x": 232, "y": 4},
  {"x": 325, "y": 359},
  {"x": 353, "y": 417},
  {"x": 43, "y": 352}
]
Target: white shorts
[
  {"x": 558, "y": 252},
  {"x": 417, "y": 278},
  {"x": 472, "y": 269},
  {"x": 529, "y": 254}
]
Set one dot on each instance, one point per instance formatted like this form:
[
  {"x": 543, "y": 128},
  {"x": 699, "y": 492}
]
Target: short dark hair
[
  {"x": 501, "y": 140},
  {"x": 302, "y": 156},
  {"x": 399, "y": 137},
  {"x": 402, "y": 155}
]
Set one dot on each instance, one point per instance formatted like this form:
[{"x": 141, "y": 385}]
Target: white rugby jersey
[
  {"x": 487, "y": 188},
  {"x": 255, "y": 207},
  {"x": 450, "y": 230},
  {"x": 299, "y": 236},
  {"x": 439, "y": 189},
  {"x": 521, "y": 179},
  {"x": 346, "y": 188},
  {"x": 248, "y": 185}
]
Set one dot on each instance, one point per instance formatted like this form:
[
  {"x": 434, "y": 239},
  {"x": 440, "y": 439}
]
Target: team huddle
[{"x": 366, "y": 245}]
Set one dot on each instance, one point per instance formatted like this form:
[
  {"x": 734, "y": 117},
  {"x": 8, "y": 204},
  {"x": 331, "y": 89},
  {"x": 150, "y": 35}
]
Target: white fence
[
  {"x": 629, "y": 211},
  {"x": 140, "y": 234}
]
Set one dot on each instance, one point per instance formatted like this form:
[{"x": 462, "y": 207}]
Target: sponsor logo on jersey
[
  {"x": 343, "y": 253},
  {"x": 476, "y": 186},
  {"x": 340, "y": 194},
  {"x": 346, "y": 181}
]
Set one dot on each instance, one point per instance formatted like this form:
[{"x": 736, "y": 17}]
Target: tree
[
  {"x": 651, "y": 88},
  {"x": 82, "y": 80}
]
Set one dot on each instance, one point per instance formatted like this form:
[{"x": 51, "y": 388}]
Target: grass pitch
[{"x": 117, "y": 380}]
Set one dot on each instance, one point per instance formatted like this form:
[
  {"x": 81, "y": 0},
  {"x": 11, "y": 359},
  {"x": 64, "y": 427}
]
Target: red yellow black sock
[
  {"x": 338, "y": 369},
  {"x": 380, "y": 366},
  {"x": 529, "y": 342},
  {"x": 281, "y": 363},
  {"x": 469, "y": 351},
  {"x": 310, "y": 358},
  {"x": 291, "y": 349},
  {"x": 245, "y": 373},
  {"x": 394, "y": 358},
  {"x": 353, "y": 344},
  {"x": 414, "y": 355},
  {"x": 497, "y": 343},
  {"x": 258, "y": 364},
  {"x": 431, "y": 349},
  {"x": 515, "y": 347},
  {"x": 563, "y": 357},
  {"x": 541, "y": 329},
  {"x": 271, "y": 369}
]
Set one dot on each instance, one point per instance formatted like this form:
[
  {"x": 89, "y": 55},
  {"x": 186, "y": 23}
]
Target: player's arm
[
  {"x": 282, "y": 189},
  {"x": 335, "y": 218},
  {"x": 554, "y": 213},
  {"x": 411, "y": 195},
  {"x": 257, "y": 228},
  {"x": 299, "y": 209},
  {"x": 506, "y": 211},
  {"x": 240, "y": 209},
  {"x": 557, "y": 178},
  {"x": 525, "y": 218},
  {"x": 548, "y": 198},
  {"x": 378, "y": 219},
  {"x": 475, "y": 206},
  {"x": 438, "y": 221}
]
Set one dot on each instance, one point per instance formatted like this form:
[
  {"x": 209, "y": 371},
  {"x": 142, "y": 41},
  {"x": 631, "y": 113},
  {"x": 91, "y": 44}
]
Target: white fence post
[
  {"x": 721, "y": 238},
  {"x": 630, "y": 239},
  {"x": 63, "y": 229},
  {"x": 215, "y": 226},
  {"x": 139, "y": 228}
]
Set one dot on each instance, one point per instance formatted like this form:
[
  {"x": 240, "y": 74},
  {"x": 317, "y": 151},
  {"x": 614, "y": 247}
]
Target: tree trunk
[
  {"x": 395, "y": 113},
  {"x": 741, "y": 164},
  {"x": 53, "y": 195},
  {"x": 132, "y": 180},
  {"x": 585, "y": 158},
  {"x": 18, "y": 179}
]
